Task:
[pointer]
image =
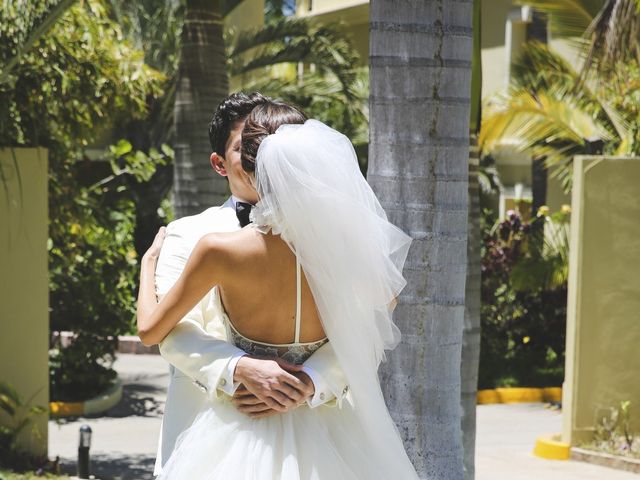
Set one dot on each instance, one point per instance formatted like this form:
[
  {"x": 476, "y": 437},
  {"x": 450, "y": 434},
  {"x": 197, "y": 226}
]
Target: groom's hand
[
  {"x": 270, "y": 382},
  {"x": 247, "y": 403}
]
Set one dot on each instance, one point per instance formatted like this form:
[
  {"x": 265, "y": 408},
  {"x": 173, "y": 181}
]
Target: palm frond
[
  {"x": 549, "y": 124},
  {"x": 614, "y": 36},
  {"x": 333, "y": 81},
  {"x": 567, "y": 18},
  {"x": 10, "y": 399},
  {"x": 277, "y": 31},
  {"x": 539, "y": 68}
]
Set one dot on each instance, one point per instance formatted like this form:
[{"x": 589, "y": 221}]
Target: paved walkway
[
  {"x": 125, "y": 439},
  {"x": 506, "y": 435}
]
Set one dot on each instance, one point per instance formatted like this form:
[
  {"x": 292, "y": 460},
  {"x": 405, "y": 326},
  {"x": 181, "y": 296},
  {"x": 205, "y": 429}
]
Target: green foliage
[
  {"x": 94, "y": 270},
  {"x": 79, "y": 80},
  {"x": 154, "y": 28},
  {"x": 523, "y": 313},
  {"x": 21, "y": 25},
  {"x": 333, "y": 88},
  {"x": 613, "y": 432},
  {"x": 15, "y": 416}
]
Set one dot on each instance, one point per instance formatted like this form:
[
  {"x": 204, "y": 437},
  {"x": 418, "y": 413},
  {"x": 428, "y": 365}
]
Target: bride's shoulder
[{"x": 232, "y": 246}]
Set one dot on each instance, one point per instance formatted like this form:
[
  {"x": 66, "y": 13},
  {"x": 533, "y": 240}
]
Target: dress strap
[{"x": 298, "y": 299}]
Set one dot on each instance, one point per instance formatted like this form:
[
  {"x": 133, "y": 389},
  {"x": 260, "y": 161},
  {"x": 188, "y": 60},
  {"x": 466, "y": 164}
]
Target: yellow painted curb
[
  {"x": 552, "y": 394},
  {"x": 519, "y": 395},
  {"x": 66, "y": 409},
  {"x": 551, "y": 448},
  {"x": 99, "y": 404}
]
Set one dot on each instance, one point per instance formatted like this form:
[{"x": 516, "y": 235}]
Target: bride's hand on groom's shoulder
[
  {"x": 276, "y": 385},
  {"x": 153, "y": 252}
]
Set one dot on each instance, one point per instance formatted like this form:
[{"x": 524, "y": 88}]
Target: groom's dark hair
[{"x": 232, "y": 109}]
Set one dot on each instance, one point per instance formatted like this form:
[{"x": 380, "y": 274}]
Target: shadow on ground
[
  {"x": 116, "y": 467},
  {"x": 140, "y": 400}
]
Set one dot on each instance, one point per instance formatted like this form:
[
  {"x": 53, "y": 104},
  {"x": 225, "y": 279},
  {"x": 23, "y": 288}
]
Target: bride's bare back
[{"x": 259, "y": 289}]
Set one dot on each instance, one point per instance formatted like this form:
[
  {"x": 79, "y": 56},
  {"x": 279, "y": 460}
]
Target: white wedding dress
[{"x": 313, "y": 195}]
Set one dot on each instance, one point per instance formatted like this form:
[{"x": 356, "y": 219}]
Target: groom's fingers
[
  {"x": 266, "y": 413},
  {"x": 292, "y": 393},
  {"x": 299, "y": 385},
  {"x": 261, "y": 407},
  {"x": 284, "y": 401},
  {"x": 247, "y": 400}
]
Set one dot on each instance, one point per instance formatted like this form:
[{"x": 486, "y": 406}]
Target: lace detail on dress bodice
[{"x": 294, "y": 352}]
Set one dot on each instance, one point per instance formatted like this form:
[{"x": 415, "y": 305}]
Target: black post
[{"x": 83, "y": 451}]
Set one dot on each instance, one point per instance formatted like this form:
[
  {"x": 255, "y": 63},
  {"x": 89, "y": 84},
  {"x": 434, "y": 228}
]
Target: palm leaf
[
  {"x": 567, "y": 18},
  {"x": 548, "y": 124},
  {"x": 614, "y": 36},
  {"x": 246, "y": 40},
  {"x": 334, "y": 81},
  {"x": 539, "y": 68}
]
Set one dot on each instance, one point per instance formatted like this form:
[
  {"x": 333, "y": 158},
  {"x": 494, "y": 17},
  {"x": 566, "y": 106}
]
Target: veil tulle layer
[{"x": 313, "y": 194}]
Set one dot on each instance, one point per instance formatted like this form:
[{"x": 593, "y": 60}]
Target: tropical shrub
[
  {"x": 79, "y": 78},
  {"x": 523, "y": 312},
  {"x": 16, "y": 416}
]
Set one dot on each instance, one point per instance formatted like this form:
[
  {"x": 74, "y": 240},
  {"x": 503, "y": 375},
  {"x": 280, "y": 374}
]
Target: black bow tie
[{"x": 242, "y": 212}]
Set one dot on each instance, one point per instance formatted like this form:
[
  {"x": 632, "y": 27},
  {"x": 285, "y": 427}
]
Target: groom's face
[{"x": 230, "y": 166}]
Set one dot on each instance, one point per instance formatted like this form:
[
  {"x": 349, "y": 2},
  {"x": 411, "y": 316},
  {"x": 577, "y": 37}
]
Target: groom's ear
[{"x": 217, "y": 163}]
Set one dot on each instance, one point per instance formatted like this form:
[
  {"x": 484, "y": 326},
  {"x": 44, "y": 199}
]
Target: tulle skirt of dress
[{"x": 304, "y": 444}]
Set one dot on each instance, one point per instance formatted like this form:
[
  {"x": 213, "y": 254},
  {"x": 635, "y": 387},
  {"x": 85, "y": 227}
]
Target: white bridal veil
[{"x": 313, "y": 194}]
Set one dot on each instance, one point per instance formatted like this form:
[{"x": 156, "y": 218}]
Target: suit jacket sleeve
[
  {"x": 333, "y": 383},
  {"x": 195, "y": 346}
]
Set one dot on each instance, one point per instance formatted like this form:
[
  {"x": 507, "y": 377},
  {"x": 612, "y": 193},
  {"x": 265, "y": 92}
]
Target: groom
[{"x": 203, "y": 364}]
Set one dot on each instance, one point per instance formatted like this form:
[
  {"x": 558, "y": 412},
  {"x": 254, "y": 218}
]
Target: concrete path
[
  {"x": 506, "y": 435},
  {"x": 125, "y": 439}
]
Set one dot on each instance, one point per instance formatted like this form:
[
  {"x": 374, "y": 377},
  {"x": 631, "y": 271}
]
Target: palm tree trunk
[
  {"x": 471, "y": 332},
  {"x": 202, "y": 85},
  {"x": 537, "y": 30},
  {"x": 420, "y": 74}
]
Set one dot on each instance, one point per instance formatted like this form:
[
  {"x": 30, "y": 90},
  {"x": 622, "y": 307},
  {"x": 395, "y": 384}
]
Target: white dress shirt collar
[{"x": 235, "y": 200}]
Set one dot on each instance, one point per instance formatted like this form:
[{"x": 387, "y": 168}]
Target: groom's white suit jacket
[{"x": 201, "y": 360}]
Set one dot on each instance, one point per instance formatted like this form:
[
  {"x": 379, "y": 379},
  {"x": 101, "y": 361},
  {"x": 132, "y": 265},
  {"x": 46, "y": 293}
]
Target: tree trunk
[
  {"x": 420, "y": 75},
  {"x": 202, "y": 85},
  {"x": 537, "y": 30},
  {"x": 471, "y": 332}
]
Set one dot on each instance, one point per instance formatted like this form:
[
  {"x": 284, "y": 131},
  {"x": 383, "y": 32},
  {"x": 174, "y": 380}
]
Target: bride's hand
[{"x": 153, "y": 252}]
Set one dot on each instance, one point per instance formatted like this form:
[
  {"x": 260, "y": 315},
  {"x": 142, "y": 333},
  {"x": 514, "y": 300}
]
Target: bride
[{"x": 319, "y": 263}]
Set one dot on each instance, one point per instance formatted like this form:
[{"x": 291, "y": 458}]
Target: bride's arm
[{"x": 204, "y": 269}]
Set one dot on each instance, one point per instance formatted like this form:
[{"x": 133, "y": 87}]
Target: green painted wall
[
  {"x": 603, "y": 311},
  {"x": 24, "y": 291}
]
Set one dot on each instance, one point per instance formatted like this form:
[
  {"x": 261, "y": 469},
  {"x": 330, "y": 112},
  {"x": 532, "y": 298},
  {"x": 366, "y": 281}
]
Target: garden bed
[
  {"x": 618, "y": 462},
  {"x": 9, "y": 475}
]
